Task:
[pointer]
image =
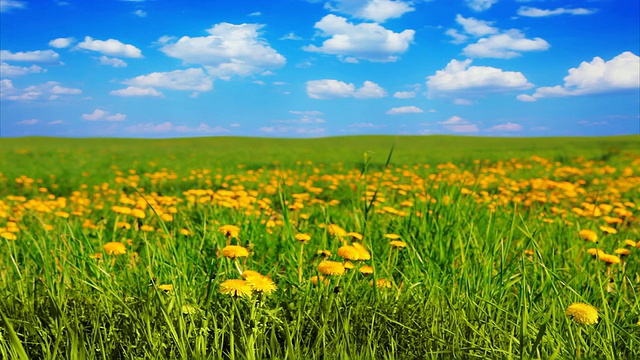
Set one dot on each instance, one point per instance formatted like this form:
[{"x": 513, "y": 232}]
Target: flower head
[
  {"x": 230, "y": 231},
  {"x": 364, "y": 253},
  {"x": 235, "y": 288},
  {"x": 262, "y": 284},
  {"x": 582, "y": 313},
  {"x": 366, "y": 270},
  {"x": 329, "y": 267},
  {"x": 336, "y": 230},
  {"x": 166, "y": 287},
  {"x": 392, "y": 236},
  {"x": 114, "y": 248},
  {"x": 608, "y": 230},
  {"x": 589, "y": 235},
  {"x": 609, "y": 259},
  {"x": 303, "y": 238},
  {"x": 349, "y": 252},
  {"x": 398, "y": 244},
  {"x": 234, "y": 251},
  {"x": 355, "y": 235}
]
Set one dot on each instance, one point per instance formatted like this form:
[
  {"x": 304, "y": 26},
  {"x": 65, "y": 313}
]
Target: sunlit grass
[{"x": 336, "y": 248}]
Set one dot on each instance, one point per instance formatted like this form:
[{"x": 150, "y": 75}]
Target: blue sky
[{"x": 294, "y": 68}]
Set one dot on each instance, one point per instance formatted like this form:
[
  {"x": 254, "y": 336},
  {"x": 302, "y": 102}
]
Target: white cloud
[
  {"x": 465, "y": 102},
  {"x": 256, "y": 13},
  {"x": 8, "y": 5},
  {"x": 62, "y": 42},
  {"x": 282, "y": 130},
  {"x": 458, "y": 77},
  {"x": 140, "y": 13},
  {"x": 598, "y": 76},
  {"x": 332, "y": 89},
  {"x": 102, "y": 115},
  {"x": 50, "y": 90},
  {"x": 56, "y": 122},
  {"x": 228, "y": 50},
  {"x": 168, "y": 127},
  {"x": 480, "y": 5},
  {"x": 458, "y": 38},
  {"x": 404, "y": 110},
  {"x": 368, "y": 41},
  {"x": 476, "y": 27},
  {"x": 28, "y": 122},
  {"x": 290, "y": 36},
  {"x": 404, "y": 94},
  {"x": 306, "y": 112},
  {"x": 506, "y": 45},
  {"x": 136, "y": 91},
  {"x": 7, "y": 70},
  {"x": 193, "y": 79},
  {"x": 376, "y": 10},
  {"x": 110, "y": 47},
  {"x": 459, "y": 125},
  {"x": 535, "y": 12},
  {"x": 507, "y": 127},
  {"x": 364, "y": 125},
  {"x": 115, "y": 62},
  {"x": 39, "y": 56}
]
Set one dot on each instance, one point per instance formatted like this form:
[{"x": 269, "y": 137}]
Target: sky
[{"x": 316, "y": 68}]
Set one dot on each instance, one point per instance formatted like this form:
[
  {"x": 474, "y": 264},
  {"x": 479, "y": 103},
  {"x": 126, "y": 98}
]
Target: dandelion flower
[
  {"x": 349, "y": 252},
  {"x": 392, "y": 236},
  {"x": 235, "y": 288},
  {"x": 8, "y": 235},
  {"x": 336, "y": 230},
  {"x": 316, "y": 279},
  {"x": 355, "y": 235},
  {"x": 261, "y": 283},
  {"x": 303, "y": 238},
  {"x": 114, "y": 248},
  {"x": 139, "y": 213},
  {"x": 399, "y": 244},
  {"x": 630, "y": 243},
  {"x": 230, "y": 231},
  {"x": 382, "y": 283},
  {"x": 166, "y": 287},
  {"x": 582, "y": 313},
  {"x": 325, "y": 253},
  {"x": 589, "y": 235},
  {"x": 348, "y": 265},
  {"x": 366, "y": 270},
  {"x": 622, "y": 252},
  {"x": 363, "y": 253},
  {"x": 595, "y": 252},
  {"x": 329, "y": 267},
  {"x": 247, "y": 273},
  {"x": 608, "y": 230},
  {"x": 234, "y": 251},
  {"x": 610, "y": 259}
]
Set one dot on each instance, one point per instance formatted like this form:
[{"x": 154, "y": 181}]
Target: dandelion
[
  {"x": 185, "y": 232},
  {"x": 349, "y": 252},
  {"x": 392, "y": 236},
  {"x": 248, "y": 273},
  {"x": 595, "y": 252},
  {"x": 398, "y": 244},
  {"x": 139, "y": 213},
  {"x": 348, "y": 265},
  {"x": 622, "y": 252},
  {"x": 363, "y": 253},
  {"x": 230, "y": 231},
  {"x": 589, "y": 235},
  {"x": 234, "y": 251},
  {"x": 355, "y": 235},
  {"x": 303, "y": 238},
  {"x": 235, "y": 288},
  {"x": 336, "y": 230},
  {"x": 166, "y": 287},
  {"x": 630, "y": 243},
  {"x": 328, "y": 267},
  {"x": 610, "y": 259},
  {"x": 366, "y": 270},
  {"x": 583, "y": 314},
  {"x": 608, "y": 230},
  {"x": 262, "y": 284},
  {"x": 316, "y": 279},
  {"x": 382, "y": 283},
  {"x": 325, "y": 253},
  {"x": 8, "y": 235},
  {"x": 114, "y": 248}
]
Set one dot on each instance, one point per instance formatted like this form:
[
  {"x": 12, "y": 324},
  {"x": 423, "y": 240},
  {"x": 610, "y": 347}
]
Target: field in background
[{"x": 117, "y": 248}]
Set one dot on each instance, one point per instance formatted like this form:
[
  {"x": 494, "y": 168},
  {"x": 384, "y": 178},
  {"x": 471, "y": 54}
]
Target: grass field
[{"x": 338, "y": 248}]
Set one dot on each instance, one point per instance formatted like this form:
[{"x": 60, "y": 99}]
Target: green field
[{"x": 119, "y": 248}]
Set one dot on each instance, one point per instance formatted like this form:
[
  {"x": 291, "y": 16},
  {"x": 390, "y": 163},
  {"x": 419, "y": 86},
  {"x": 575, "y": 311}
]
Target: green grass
[{"x": 464, "y": 287}]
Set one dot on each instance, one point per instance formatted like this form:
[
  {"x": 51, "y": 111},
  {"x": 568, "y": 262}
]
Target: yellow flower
[
  {"x": 303, "y": 238},
  {"x": 235, "y": 287},
  {"x": 8, "y": 235},
  {"x": 382, "y": 283},
  {"x": 247, "y": 273},
  {"x": 261, "y": 283},
  {"x": 399, "y": 244},
  {"x": 185, "y": 232},
  {"x": 630, "y": 243},
  {"x": 392, "y": 236},
  {"x": 349, "y": 252},
  {"x": 234, "y": 251},
  {"x": 230, "y": 231},
  {"x": 114, "y": 248},
  {"x": 166, "y": 287},
  {"x": 316, "y": 279},
  {"x": 348, "y": 265},
  {"x": 610, "y": 259},
  {"x": 582, "y": 313},
  {"x": 622, "y": 252},
  {"x": 608, "y": 230},
  {"x": 363, "y": 253},
  {"x": 336, "y": 230},
  {"x": 595, "y": 252},
  {"x": 355, "y": 235},
  {"x": 589, "y": 235},
  {"x": 366, "y": 270},
  {"x": 325, "y": 253},
  {"x": 139, "y": 213},
  {"x": 329, "y": 267}
]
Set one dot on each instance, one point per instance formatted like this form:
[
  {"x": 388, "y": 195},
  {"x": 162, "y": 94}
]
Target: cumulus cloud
[
  {"x": 102, "y": 115},
  {"x": 28, "y": 122},
  {"x": 404, "y": 94},
  {"x": 137, "y": 91},
  {"x": 376, "y": 10},
  {"x": 535, "y": 12},
  {"x": 38, "y": 56},
  {"x": 61, "y": 43},
  {"x": 476, "y": 27},
  {"x": 7, "y": 70},
  {"x": 459, "y": 125},
  {"x": 366, "y": 41},
  {"x": 506, "y": 45},
  {"x": 50, "y": 90},
  {"x": 8, "y": 5},
  {"x": 507, "y": 127},
  {"x": 193, "y": 79},
  {"x": 622, "y": 73},
  {"x": 333, "y": 89},
  {"x": 459, "y": 78},
  {"x": 404, "y": 110},
  {"x": 228, "y": 50},
  {"x": 168, "y": 127},
  {"x": 140, "y": 13},
  {"x": 480, "y": 5},
  {"x": 115, "y": 62},
  {"x": 110, "y": 47}
]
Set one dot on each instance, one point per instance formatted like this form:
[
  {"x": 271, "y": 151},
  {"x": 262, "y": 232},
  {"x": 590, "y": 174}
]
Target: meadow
[{"x": 366, "y": 247}]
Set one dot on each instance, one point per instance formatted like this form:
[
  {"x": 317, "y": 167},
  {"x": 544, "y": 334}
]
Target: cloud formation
[
  {"x": 61, "y": 43},
  {"x": 50, "y": 90},
  {"x": 459, "y": 125},
  {"x": 459, "y": 78},
  {"x": 110, "y": 47},
  {"x": 622, "y": 73},
  {"x": 102, "y": 115},
  {"x": 168, "y": 127},
  {"x": 193, "y": 79},
  {"x": 376, "y": 10},
  {"x": 404, "y": 110},
  {"x": 535, "y": 12},
  {"x": 365, "y": 41},
  {"x": 137, "y": 91},
  {"x": 38, "y": 56},
  {"x": 7, "y": 71},
  {"x": 228, "y": 50},
  {"x": 506, "y": 45},
  {"x": 334, "y": 89}
]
